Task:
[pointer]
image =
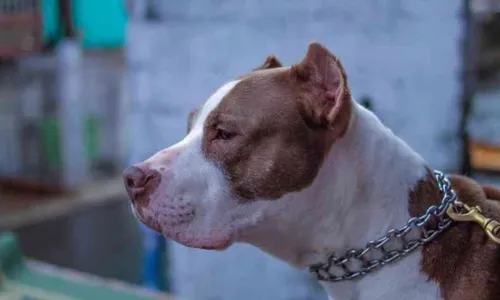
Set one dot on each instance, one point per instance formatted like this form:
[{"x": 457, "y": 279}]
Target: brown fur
[
  {"x": 321, "y": 105},
  {"x": 462, "y": 260},
  {"x": 491, "y": 192},
  {"x": 302, "y": 109},
  {"x": 270, "y": 63}
]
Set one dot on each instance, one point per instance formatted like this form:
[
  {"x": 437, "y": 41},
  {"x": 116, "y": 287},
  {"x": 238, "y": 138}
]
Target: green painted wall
[
  {"x": 101, "y": 22},
  {"x": 50, "y": 11}
]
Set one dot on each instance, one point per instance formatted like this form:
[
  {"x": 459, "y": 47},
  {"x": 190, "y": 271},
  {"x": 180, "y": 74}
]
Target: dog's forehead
[
  {"x": 260, "y": 95},
  {"x": 213, "y": 101}
]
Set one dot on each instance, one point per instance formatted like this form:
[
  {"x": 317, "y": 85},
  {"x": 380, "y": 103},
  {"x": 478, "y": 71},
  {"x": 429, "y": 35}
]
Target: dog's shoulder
[{"x": 462, "y": 260}]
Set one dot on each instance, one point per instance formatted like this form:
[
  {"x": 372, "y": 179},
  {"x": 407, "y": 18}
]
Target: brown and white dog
[{"x": 284, "y": 159}]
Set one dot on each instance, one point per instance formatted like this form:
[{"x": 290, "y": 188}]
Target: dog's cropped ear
[
  {"x": 191, "y": 118},
  {"x": 270, "y": 63},
  {"x": 325, "y": 100}
]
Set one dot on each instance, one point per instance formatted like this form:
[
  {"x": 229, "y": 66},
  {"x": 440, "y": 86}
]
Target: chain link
[{"x": 340, "y": 268}]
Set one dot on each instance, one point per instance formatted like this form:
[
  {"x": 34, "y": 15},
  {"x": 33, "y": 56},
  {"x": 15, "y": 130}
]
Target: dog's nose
[
  {"x": 140, "y": 180},
  {"x": 134, "y": 178}
]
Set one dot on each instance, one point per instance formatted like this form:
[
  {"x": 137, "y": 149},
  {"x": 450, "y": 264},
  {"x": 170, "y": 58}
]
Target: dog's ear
[
  {"x": 270, "y": 63},
  {"x": 191, "y": 117},
  {"x": 325, "y": 99}
]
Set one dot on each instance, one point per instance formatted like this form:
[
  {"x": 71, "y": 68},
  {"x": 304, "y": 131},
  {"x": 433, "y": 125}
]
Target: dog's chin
[
  {"x": 186, "y": 236},
  {"x": 208, "y": 245},
  {"x": 210, "y": 241},
  {"x": 155, "y": 226}
]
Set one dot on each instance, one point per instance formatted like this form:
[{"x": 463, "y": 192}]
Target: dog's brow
[{"x": 213, "y": 102}]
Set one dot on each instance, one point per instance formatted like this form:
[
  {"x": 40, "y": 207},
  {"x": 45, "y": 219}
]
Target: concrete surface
[
  {"x": 19, "y": 209},
  {"x": 104, "y": 241}
]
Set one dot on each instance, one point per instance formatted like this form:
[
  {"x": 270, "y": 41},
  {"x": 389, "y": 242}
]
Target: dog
[{"x": 283, "y": 158}]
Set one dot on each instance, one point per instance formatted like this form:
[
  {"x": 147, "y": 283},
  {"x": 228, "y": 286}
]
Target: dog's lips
[
  {"x": 151, "y": 224},
  {"x": 206, "y": 244},
  {"x": 218, "y": 241},
  {"x": 219, "y": 246}
]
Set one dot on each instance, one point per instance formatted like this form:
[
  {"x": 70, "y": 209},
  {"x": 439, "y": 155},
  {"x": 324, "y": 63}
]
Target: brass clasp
[{"x": 475, "y": 214}]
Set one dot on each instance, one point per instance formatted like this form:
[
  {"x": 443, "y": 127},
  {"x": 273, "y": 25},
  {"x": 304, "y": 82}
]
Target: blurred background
[{"x": 90, "y": 86}]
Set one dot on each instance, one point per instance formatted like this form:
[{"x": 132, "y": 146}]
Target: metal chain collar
[{"x": 359, "y": 262}]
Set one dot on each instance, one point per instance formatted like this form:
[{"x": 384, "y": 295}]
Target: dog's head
[{"x": 255, "y": 141}]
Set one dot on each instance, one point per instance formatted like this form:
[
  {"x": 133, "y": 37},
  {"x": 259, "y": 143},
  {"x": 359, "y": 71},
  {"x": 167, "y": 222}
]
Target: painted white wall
[{"x": 405, "y": 55}]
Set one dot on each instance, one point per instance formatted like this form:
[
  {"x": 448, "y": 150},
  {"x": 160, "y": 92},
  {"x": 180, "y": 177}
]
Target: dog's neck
[{"x": 360, "y": 193}]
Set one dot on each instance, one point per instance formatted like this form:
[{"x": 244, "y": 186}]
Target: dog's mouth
[
  {"x": 206, "y": 244},
  {"x": 187, "y": 234},
  {"x": 153, "y": 225}
]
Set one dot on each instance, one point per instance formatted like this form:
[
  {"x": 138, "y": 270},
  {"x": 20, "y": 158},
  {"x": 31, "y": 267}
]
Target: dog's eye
[{"x": 224, "y": 135}]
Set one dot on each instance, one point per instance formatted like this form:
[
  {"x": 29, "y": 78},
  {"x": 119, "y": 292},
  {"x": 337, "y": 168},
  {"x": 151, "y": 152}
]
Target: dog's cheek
[
  {"x": 220, "y": 151},
  {"x": 229, "y": 157},
  {"x": 274, "y": 169}
]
